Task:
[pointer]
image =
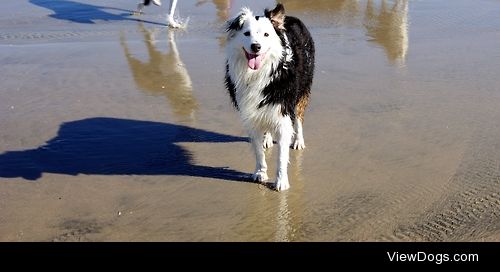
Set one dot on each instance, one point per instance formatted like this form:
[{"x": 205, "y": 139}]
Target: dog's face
[{"x": 255, "y": 38}]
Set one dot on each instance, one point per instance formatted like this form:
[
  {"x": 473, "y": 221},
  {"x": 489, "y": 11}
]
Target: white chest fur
[{"x": 249, "y": 86}]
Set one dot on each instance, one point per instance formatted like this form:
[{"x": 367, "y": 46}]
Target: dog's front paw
[
  {"x": 260, "y": 176},
  {"x": 282, "y": 184},
  {"x": 268, "y": 141}
]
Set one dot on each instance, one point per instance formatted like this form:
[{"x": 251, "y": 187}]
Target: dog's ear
[
  {"x": 237, "y": 23},
  {"x": 234, "y": 24},
  {"x": 277, "y": 16}
]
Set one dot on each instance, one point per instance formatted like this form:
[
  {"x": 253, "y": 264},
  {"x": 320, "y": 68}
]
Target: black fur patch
[
  {"x": 235, "y": 24},
  {"x": 231, "y": 88},
  {"x": 294, "y": 82}
]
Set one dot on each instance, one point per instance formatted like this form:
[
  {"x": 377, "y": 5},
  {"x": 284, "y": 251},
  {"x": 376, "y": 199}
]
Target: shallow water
[{"x": 115, "y": 128}]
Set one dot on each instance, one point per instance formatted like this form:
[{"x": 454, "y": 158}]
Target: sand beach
[{"x": 114, "y": 127}]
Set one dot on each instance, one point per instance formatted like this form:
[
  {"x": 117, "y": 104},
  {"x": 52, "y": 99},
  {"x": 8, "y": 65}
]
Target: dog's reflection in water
[
  {"x": 289, "y": 216},
  {"x": 163, "y": 74},
  {"x": 272, "y": 216}
]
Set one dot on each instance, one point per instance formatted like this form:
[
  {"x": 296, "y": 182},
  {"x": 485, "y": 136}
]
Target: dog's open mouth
[{"x": 254, "y": 60}]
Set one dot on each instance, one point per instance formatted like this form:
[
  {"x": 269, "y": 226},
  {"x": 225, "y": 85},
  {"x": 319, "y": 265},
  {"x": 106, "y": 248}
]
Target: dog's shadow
[
  {"x": 77, "y": 12},
  {"x": 109, "y": 146}
]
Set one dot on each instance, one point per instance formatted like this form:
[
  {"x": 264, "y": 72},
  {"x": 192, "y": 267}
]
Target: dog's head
[{"x": 256, "y": 38}]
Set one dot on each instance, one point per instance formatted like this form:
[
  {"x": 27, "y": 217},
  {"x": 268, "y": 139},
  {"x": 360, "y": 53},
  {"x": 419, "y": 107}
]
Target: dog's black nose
[{"x": 255, "y": 47}]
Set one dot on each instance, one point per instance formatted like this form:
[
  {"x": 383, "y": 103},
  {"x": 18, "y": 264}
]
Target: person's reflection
[
  {"x": 222, "y": 6},
  {"x": 164, "y": 74},
  {"x": 386, "y": 25},
  {"x": 330, "y": 6},
  {"x": 341, "y": 11},
  {"x": 389, "y": 28}
]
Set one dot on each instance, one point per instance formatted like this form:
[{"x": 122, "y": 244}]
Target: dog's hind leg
[
  {"x": 260, "y": 173},
  {"x": 298, "y": 139},
  {"x": 284, "y": 140}
]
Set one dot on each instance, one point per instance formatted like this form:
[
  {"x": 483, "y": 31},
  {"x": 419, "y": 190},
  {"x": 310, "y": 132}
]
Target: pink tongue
[{"x": 254, "y": 61}]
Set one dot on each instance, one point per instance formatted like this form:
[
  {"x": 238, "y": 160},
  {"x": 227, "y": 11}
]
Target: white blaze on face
[{"x": 258, "y": 31}]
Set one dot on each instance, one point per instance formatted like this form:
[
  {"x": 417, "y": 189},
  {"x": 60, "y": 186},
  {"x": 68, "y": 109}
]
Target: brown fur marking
[{"x": 301, "y": 107}]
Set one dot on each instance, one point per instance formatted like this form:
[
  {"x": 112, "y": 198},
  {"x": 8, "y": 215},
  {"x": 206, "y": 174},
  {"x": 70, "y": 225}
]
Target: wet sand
[{"x": 115, "y": 128}]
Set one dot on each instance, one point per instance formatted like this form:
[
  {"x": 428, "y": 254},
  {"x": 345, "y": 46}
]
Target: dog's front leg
[
  {"x": 284, "y": 141},
  {"x": 260, "y": 157},
  {"x": 268, "y": 140}
]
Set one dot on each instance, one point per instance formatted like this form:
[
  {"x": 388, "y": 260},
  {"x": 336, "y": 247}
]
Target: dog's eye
[
  {"x": 247, "y": 33},
  {"x": 266, "y": 34}
]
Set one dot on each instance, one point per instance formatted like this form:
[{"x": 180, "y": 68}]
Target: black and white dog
[{"x": 269, "y": 73}]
